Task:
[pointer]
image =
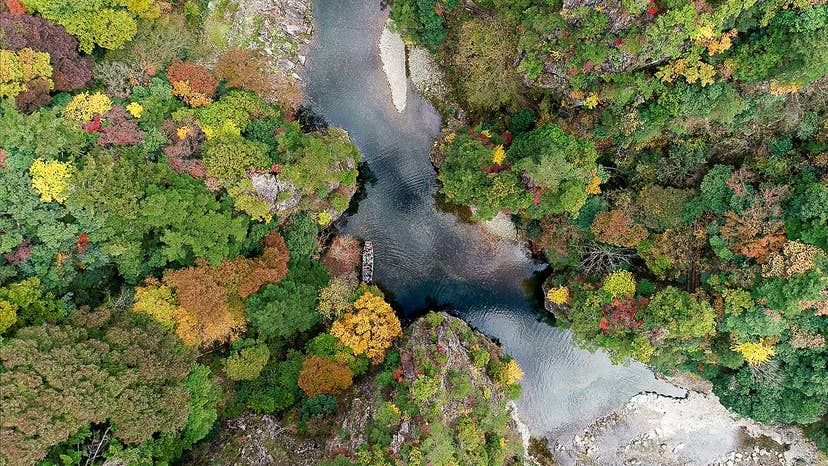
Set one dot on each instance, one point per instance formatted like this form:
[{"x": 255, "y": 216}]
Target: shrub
[
  {"x": 388, "y": 415},
  {"x": 619, "y": 284},
  {"x": 558, "y": 295},
  {"x": 319, "y": 405},
  {"x": 423, "y": 389}
]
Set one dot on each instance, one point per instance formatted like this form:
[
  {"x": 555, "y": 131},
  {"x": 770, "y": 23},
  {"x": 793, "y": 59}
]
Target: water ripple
[{"x": 428, "y": 258}]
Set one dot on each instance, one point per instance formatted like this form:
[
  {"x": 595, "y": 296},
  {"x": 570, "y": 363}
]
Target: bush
[
  {"x": 521, "y": 121},
  {"x": 388, "y": 415},
  {"x": 619, "y": 284}
]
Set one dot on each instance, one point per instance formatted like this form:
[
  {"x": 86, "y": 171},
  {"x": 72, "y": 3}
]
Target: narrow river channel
[{"x": 425, "y": 257}]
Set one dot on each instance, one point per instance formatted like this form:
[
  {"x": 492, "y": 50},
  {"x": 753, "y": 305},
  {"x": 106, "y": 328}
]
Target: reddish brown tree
[
  {"x": 35, "y": 96},
  {"x": 193, "y": 83},
  {"x": 758, "y": 230},
  {"x": 343, "y": 256},
  {"x": 120, "y": 129},
  {"x": 70, "y": 71},
  {"x": 615, "y": 227}
]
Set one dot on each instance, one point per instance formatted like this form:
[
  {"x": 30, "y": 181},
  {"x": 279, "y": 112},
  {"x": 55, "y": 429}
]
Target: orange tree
[{"x": 321, "y": 376}]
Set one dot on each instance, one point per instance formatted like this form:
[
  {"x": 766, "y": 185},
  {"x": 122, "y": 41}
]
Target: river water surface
[{"x": 426, "y": 257}]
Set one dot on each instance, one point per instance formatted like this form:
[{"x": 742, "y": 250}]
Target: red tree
[{"x": 120, "y": 130}]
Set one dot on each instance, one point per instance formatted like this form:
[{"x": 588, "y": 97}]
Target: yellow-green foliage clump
[
  {"x": 18, "y": 68},
  {"x": 51, "y": 179},
  {"x": 498, "y": 155},
  {"x": 135, "y": 109},
  {"x": 619, "y": 284},
  {"x": 246, "y": 200},
  {"x": 755, "y": 354},
  {"x": 156, "y": 300},
  {"x": 559, "y": 295},
  {"x": 511, "y": 373},
  {"x": 84, "y": 106}
]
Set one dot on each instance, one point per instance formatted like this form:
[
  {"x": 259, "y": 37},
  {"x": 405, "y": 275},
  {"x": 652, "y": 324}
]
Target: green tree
[
  {"x": 487, "y": 56},
  {"x": 25, "y": 303},
  {"x": 683, "y": 315},
  {"x": 280, "y": 311},
  {"x": 247, "y": 363}
]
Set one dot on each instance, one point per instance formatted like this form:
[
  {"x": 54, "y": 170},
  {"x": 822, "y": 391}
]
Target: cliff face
[{"x": 440, "y": 396}]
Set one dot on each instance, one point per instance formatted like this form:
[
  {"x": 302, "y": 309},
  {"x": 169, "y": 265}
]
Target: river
[{"x": 427, "y": 258}]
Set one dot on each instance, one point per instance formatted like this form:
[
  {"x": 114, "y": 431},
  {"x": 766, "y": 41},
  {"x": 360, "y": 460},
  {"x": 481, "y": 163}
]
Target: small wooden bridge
[{"x": 368, "y": 263}]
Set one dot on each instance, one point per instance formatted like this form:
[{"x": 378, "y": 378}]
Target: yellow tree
[
  {"x": 498, "y": 155},
  {"x": 371, "y": 329},
  {"x": 512, "y": 372},
  {"x": 157, "y": 300},
  {"x": 51, "y": 179},
  {"x": 755, "y": 354},
  {"x": 21, "y": 67},
  {"x": 83, "y": 106},
  {"x": 559, "y": 295}
]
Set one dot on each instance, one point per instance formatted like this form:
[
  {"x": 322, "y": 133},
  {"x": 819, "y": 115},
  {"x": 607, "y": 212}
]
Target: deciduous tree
[
  {"x": 321, "y": 376},
  {"x": 70, "y": 71},
  {"x": 370, "y": 329}
]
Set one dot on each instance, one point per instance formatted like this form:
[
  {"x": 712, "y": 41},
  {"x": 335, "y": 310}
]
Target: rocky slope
[
  {"x": 446, "y": 399},
  {"x": 281, "y": 29}
]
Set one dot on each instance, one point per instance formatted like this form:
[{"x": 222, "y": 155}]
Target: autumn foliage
[
  {"x": 192, "y": 83},
  {"x": 615, "y": 227},
  {"x": 321, "y": 376},
  {"x": 70, "y": 71},
  {"x": 120, "y": 129},
  {"x": 250, "y": 70},
  {"x": 343, "y": 256},
  {"x": 371, "y": 329},
  {"x": 208, "y": 305}
]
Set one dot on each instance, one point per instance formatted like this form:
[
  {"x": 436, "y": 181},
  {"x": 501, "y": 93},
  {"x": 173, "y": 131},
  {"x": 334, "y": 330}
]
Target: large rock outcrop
[{"x": 449, "y": 374}]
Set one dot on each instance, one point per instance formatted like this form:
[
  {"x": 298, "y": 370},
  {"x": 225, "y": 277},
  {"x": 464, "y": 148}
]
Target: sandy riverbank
[{"x": 392, "y": 54}]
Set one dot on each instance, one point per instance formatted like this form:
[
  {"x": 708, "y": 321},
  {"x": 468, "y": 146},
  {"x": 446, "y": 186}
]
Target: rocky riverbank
[
  {"x": 281, "y": 29},
  {"x": 657, "y": 430}
]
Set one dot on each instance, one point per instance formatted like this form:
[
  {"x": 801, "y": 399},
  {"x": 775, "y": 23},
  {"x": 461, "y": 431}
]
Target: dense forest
[
  {"x": 165, "y": 219},
  {"x": 169, "y": 260},
  {"x": 669, "y": 160}
]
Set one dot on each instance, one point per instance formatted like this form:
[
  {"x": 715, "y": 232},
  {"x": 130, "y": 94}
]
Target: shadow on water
[
  {"x": 429, "y": 258},
  {"x": 365, "y": 179}
]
